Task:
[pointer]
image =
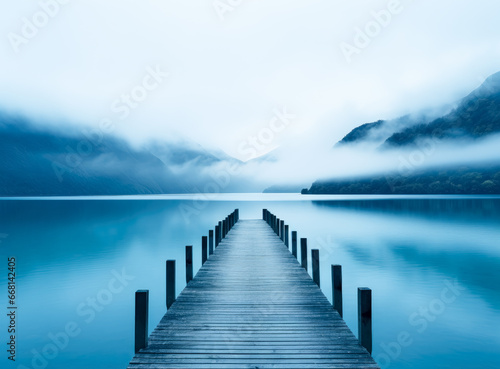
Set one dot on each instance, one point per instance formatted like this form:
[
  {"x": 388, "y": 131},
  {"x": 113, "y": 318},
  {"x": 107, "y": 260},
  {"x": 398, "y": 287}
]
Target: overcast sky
[{"x": 235, "y": 66}]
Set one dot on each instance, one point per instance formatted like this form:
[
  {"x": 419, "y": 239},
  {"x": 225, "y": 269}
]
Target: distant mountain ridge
[
  {"x": 475, "y": 116},
  {"x": 44, "y": 162}
]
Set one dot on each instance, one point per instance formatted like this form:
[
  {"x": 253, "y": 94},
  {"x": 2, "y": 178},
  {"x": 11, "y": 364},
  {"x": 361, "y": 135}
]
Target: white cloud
[{"x": 227, "y": 76}]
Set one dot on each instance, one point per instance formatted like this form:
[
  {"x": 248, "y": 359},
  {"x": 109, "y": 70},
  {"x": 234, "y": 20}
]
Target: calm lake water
[{"x": 433, "y": 265}]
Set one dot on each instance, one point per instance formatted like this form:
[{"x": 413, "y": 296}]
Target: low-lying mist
[{"x": 293, "y": 166}]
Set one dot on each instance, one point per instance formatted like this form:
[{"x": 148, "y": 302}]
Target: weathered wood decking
[{"x": 252, "y": 305}]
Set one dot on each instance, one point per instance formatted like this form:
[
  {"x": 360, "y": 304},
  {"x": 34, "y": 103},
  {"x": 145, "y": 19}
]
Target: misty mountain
[
  {"x": 375, "y": 134},
  {"x": 45, "y": 162},
  {"x": 180, "y": 154},
  {"x": 475, "y": 116}
]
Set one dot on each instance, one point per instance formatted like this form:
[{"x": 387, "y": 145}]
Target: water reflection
[{"x": 406, "y": 250}]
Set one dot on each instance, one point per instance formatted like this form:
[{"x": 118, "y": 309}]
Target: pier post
[
  {"x": 220, "y": 231},
  {"x": 210, "y": 242},
  {"x": 264, "y": 215},
  {"x": 337, "y": 288},
  {"x": 204, "y": 249},
  {"x": 287, "y": 233},
  {"x": 189, "y": 263},
  {"x": 282, "y": 230},
  {"x": 365, "y": 318},
  {"x": 216, "y": 235},
  {"x": 141, "y": 319},
  {"x": 303, "y": 252},
  {"x": 224, "y": 226},
  {"x": 170, "y": 283},
  {"x": 278, "y": 221},
  {"x": 237, "y": 215},
  {"x": 315, "y": 266},
  {"x": 294, "y": 244}
]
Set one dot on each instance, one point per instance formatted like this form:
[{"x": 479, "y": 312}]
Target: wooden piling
[
  {"x": 210, "y": 242},
  {"x": 189, "y": 263},
  {"x": 141, "y": 319},
  {"x": 170, "y": 283},
  {"x": 204, "y": 249},
  {"x": 287, "y": 233},
  {"x": 282, "y": 230},
  {"x": 294, "y": 244},
  {"x": 315, "y": 266},
  {"x": 365, "y": 318},
  {"x": 216, "y": 235},
  {"x": 337, "y": 288},
  {"x": 303, "y": 252}
]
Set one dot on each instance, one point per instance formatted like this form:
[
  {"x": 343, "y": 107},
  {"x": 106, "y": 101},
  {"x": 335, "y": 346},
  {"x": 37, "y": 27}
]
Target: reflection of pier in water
[{"x": 252, "y": 305}]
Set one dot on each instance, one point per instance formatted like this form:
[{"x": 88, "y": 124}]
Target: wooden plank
[{"x": 252, "y": 305}]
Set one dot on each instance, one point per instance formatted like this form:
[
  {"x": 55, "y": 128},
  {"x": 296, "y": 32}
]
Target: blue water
[{"x": 433, "y": 265}]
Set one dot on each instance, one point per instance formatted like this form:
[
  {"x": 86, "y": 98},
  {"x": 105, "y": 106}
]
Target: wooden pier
[{"x": 252, "y": 305}]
